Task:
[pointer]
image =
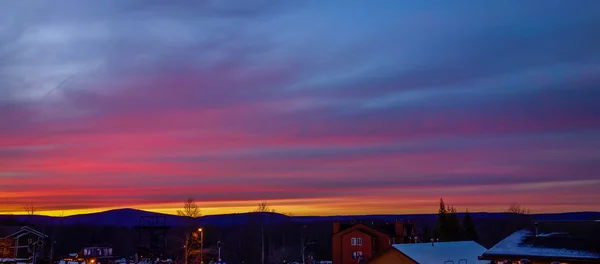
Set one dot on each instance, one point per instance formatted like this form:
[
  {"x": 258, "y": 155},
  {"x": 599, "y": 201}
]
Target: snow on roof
[
  {"x": 514, "y": 245},
  {"x": 441, "y": 252}
]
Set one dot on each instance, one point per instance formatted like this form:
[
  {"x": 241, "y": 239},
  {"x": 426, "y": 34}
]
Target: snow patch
[
  {"x": 552, "y": 234},
  {"x": 440, "y": 252},
  {"x": 513, "y": 245}
]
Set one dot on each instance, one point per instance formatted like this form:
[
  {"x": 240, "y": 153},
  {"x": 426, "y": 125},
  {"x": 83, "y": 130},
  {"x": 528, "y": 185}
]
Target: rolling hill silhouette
[{"x": 131, "y": 217}]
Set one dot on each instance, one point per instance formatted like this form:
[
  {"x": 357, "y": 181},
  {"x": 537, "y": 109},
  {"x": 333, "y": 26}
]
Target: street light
[
  {"x": 201, "y": 245},
  {"x": 219, "y": 249}
]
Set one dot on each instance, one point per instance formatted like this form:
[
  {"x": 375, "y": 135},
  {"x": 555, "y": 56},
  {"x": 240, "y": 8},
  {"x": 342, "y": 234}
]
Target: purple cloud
[{"x": 302, "y": 102}]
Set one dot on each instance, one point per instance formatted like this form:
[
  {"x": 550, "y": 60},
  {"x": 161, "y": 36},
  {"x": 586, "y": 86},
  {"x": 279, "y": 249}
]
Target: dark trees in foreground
[
  {"x": 282, "y": 241},
  {"x": 282, "y": 238},
  {"x": 450, "y": 227}
]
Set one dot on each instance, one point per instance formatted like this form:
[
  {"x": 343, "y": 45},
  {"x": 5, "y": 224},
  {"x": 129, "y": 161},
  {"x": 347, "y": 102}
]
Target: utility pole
[
  {"x": 34, "y": 250},
  {"x": 52, "y": 250},
  {"x": 219, "y": 250},
  {"x": 262, "y": 244},
  {"x": 52, "y": 242}
]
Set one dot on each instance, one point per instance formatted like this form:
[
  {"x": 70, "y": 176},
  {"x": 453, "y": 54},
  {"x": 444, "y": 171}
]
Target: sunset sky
[{"x": 318, "y": 107}]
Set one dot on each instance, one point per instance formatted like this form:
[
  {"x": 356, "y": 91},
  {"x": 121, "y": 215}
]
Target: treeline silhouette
[
  {"x": 262, "y": 241},
  {"x": 238, "y": 243},
  {"x": 450, "y": 226}
]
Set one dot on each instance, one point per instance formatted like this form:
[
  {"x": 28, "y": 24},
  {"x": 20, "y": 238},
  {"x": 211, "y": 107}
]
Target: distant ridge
[{"x": 130, "y": 217}]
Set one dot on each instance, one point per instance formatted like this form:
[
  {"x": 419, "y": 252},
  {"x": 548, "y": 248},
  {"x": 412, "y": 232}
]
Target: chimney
[
  {"x": 409, "y": 228},
  {"x": 399, "y": 228},
  {"x": 336, "y": 227},
  {"x": 537, "y": 225}
]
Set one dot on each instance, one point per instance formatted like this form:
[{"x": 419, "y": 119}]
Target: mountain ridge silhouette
[{"x": 131, "y": 217}]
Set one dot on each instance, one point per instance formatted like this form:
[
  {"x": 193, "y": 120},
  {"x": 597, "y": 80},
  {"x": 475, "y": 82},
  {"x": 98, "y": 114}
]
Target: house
[
  {"x": 357, "y": 242},
  {"x": 550, "y": 241},
  {"x": 91, "y": 255},
  {"x": 21, "y": 244},
  {"x": 460, "y": 252}
]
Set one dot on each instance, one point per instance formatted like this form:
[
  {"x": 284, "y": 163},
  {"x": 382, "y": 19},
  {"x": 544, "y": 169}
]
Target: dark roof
[
  {"x": 6, "y": 231},
  {"x": 388, "y": 228},
  {"x": 554, "y": 239}
]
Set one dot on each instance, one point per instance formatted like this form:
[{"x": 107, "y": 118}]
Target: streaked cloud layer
[{"x": 321, "y": 107}]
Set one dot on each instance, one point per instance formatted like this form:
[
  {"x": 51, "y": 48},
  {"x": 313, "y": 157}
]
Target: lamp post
[
  {"x": 219, "y": 250},
  {"x": 201, "y": 245}
]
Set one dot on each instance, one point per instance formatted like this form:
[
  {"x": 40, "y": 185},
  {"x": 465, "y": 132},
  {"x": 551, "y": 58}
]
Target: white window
[
  {"x": 359, "y": 241},
  {"x": 354, "y": 255},
  {"x": 359, "y": 253},
  {"x": 353, "y": 241}
]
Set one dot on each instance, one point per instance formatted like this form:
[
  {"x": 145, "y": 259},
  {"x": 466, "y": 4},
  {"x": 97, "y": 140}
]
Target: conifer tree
[
  {"x": 448, "y": 225},
  {"x": 469, "y": 227},
  {"x": 440, "y": 231},
  {"x": 453, "y": 228}
]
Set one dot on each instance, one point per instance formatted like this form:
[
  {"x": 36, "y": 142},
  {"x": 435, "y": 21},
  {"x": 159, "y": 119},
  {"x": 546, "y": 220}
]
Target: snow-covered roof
[
  {"x": 23, "y": 231},
  {"x": 441, "y": 252},
  {"x": 516, "y": 245}
]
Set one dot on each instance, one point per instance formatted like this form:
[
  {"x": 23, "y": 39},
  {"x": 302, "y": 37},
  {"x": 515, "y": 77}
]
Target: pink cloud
[{"x": 229, "y": 133}]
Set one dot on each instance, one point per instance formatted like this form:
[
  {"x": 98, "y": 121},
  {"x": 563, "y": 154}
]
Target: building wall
[
  {"x": 23, "y": 251},
  {"x": 347, "y": 247},
  {"x": 382, "y": 242},
  {"x": 371, "y": 245},
  {"x": 336, "y": 249},
  {"x": 374, "y": 242},
  {"x": 391, "y": 257}
]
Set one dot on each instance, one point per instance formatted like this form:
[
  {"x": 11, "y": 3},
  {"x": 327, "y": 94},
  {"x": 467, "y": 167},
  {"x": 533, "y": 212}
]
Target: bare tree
[
  {"x": 516, "y": 208},
  {"x": 263, "y": 207},
  {"x": 193, "y": 245},
  {"x": 193, "y": 238},
  {"x": 30, "y": 209},
  {"x": 190, "y": 209},
  {"x": 304, "y": 242}
]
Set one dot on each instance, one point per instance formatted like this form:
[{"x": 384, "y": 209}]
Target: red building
[{"x": 357, "y": 242}]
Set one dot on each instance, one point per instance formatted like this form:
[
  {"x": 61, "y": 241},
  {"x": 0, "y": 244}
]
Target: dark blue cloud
[{"x": 316, "y": 95}]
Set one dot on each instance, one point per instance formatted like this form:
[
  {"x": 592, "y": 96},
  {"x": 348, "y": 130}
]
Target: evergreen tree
[
  {"x": 453, "y": 228},
  {"x": 469, "y": 227},
  {"x": 440, "y": 230},
  {"x": 448, "y": 226}
]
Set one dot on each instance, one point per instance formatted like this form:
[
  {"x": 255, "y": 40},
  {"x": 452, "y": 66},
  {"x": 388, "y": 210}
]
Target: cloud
[{"x": 141, "y": 103}]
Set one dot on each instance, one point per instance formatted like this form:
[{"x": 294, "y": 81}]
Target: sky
[{"x": 317, "y": 107}]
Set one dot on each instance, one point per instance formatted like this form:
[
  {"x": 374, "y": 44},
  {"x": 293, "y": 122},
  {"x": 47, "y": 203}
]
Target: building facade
[
  {"x": 91, "y": 255},
  {"x": 358, "y": 242},
  {"x": 22, "y": 245}
]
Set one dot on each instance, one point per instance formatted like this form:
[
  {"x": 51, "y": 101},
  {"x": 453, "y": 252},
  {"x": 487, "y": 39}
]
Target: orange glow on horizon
[{"x": 335, "y": 207}]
